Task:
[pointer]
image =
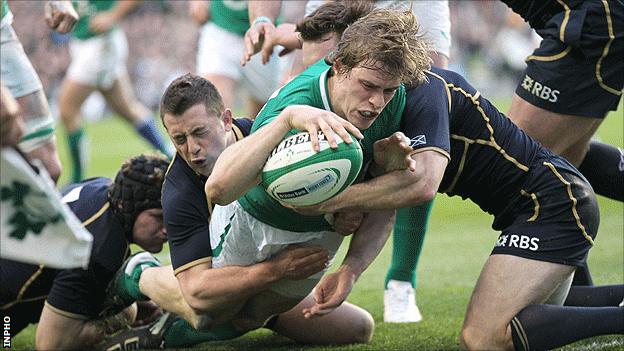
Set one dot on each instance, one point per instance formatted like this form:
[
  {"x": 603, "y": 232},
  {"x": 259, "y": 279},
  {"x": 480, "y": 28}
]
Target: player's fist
[{"x": 60, "y": 16}]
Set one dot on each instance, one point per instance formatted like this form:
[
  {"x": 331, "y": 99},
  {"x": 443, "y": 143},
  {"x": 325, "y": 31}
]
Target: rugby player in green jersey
[
  {"x": 359, "y": 90},
  {"x": 98, "y": 51}
]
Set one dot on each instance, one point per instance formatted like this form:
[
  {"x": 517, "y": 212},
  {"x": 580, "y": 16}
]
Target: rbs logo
[
  {"x": 519, "y": 241},
  {"x": 538, "y": 89}
]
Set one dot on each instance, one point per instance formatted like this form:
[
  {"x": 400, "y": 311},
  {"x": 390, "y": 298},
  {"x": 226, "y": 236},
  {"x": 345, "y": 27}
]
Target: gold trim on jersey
[
  {"x": 433, "y": 148},
  {"x": 462, "y": 162},
  {"x": 448, "y": 92},
  {"x": 96, "y": 215},
  {"x": 573, "y": 199},
  {"x": 564, "y": 23},
  {"x": 550, "y": 58},
  {"x": 605, "y": 51},
  {"x": 515, "y": 323},
  {"x": 535, "y": 202},
  {"x": 238, "y": 134},
  {"x": 171, "y": 163},
  {"x": 192, "y": 264},
  {"x": 65, "y": 313},
  {"x": 492, "y": 142},
  {"x": 24, "y": 287}
]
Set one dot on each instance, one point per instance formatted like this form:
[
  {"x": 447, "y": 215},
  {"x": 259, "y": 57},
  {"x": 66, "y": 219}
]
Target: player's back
[{"x": 489, "y": 155}]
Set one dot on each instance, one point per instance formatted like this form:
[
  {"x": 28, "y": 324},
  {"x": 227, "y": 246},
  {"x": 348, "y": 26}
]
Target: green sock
[
  {"x": 182, "y": 334},
  {"x": 77, "y": 153},
  {"x": 407, "y": 242}
]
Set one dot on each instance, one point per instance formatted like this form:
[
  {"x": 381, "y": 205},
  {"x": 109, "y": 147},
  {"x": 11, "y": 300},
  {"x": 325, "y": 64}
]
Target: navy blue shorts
[
  {"x": 578, "y": 69},
  {"x": 555, "y": 217}
]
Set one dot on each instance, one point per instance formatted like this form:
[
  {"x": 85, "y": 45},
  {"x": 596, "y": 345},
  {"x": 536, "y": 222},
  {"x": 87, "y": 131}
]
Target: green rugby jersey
[
  {"x": 86, "y": 10},
  {"x": 310, "y": 88},
  {"x": 4, "y": 10},
  {"x": 231, "y": 15}
]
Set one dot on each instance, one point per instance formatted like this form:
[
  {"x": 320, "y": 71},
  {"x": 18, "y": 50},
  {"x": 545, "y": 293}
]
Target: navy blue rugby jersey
[
  {"x": 187, "y": 212},
  {"x": 538, "y": 12},
  {"x": 78, "y": 292},
  {"x": 489, "y": 156}
]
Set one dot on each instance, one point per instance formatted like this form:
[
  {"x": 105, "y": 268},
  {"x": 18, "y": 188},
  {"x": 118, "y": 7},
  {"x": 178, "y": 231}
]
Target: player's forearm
[
  {"x": 267, "y": 8},
  {"x": 239, "y": 167},
  {"x": 287, "y": 36},
  {"x": 368, "y": 241},
  {"x": 390, "y": 191},
  {"x": 216, "y": 291},
  {"x": 397, "y": 189},
  {"x": 162, "y": 287}
]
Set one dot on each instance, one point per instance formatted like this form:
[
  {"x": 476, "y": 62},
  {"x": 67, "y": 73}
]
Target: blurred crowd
[{"x": 489, "y": 45}]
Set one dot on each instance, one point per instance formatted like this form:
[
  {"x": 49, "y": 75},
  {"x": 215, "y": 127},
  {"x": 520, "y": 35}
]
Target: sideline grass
[{"x": 457, "y": 245}]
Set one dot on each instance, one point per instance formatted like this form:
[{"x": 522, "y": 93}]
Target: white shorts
[
  {"x": 20, "y": 77},
  {"x": 237, "y": 238},
  {"x": 17, "y": 73},
  {"x": 219, "y": 52},
  {"x": 433, "y": 16},
  {"x": 98, "y": 61}
]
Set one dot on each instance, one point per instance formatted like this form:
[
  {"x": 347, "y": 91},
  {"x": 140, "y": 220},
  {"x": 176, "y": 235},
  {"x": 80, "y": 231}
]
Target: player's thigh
[
  {"x": 576, "y": 152},
  {"x": 346, "y": 324},
  {"x": 508, "y": 284},
  {"x": 120, "y": 97},
  {"x": 72, "y": 95},
  {"x": 259, "y": 308},
  {"x": 557, "y": 132},
  {"x": 225, "y": 86}
]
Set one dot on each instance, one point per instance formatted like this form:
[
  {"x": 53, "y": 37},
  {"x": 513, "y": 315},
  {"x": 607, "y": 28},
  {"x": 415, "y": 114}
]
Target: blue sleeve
[
  {"x": 188, "y": 230},
  {"x": 426, "y": 116}
]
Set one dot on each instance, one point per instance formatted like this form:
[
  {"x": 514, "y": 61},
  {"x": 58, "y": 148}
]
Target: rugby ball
[{"x": 297, "y": 175}]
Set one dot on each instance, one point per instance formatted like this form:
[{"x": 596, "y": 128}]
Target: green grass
[{"x": 457, "y": 245}]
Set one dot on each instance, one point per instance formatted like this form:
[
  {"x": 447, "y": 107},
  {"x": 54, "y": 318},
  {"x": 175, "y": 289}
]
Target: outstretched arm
[
  {"x": 239, "y": 167},
  {"x": 365, "y": 245},
  {"x": 221, "y": 292},
  {"x": 262, "y": 16}
]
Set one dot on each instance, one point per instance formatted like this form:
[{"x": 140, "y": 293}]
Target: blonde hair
[{"x": 386, "y": 40}]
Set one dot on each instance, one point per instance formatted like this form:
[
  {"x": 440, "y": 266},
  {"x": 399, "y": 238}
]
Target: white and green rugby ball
[{"x": 295, "y": 174}]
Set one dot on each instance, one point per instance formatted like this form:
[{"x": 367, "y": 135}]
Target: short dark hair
[
  {"x": 332, "y": 17},
  {"x": 187, "y": 91}
]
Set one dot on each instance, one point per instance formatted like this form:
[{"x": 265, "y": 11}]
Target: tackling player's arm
[
  {"x": 239, "y": 167},
  {"x": 426, "y": 122},
  {"x": 397, "y": 189},
  {"x": 221, "y": 292}
]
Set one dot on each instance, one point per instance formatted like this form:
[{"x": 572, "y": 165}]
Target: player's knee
[
  {"x": 474, "y": 337},
  {"x": 363, "y": 328}
]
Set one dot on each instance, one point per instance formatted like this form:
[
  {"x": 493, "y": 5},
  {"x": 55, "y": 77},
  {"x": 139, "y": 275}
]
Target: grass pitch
[{"x": 457, "y": 244}]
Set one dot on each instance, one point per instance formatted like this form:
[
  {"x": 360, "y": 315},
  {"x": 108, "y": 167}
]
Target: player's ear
[{"x": 226, "y": 118}]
